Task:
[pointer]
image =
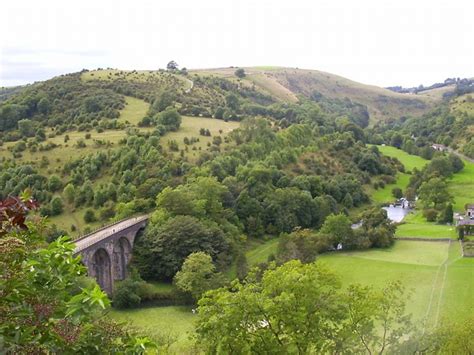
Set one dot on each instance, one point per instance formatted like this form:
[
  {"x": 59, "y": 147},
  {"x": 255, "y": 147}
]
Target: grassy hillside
[
  {"x": 287, "y": 83},
  {"x": 461, "y": 186},
  {"x": 134, "y": 110},
  {"x": 159, "y": 323},
  {"x": 408, "y": 160},
  {"x": 190, "y": 127}
]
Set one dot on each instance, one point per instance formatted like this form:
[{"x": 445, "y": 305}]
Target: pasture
[
  {"x": 176, "y": 322},
  {"x": 461, "y": 186},
  {"x": 409, "y": 161},
  {"x": 435, "y": 276},
  {"x": 385, "y": 194},
  {"x": 259, "y": 252},
  {"x": 190, "y": 127},
  {"x": 440, "y": 280},
  {"x": 134, "y": 111},
  {"x": 415, "y": 225}
]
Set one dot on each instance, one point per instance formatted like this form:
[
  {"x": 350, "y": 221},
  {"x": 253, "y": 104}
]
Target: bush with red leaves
[{"x": 13, "y": 211}]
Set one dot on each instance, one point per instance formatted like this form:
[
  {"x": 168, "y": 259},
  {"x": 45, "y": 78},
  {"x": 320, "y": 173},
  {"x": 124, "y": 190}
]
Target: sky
[{"x": 379, "y": 42}]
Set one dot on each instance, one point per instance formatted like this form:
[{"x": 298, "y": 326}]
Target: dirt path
[
  {"x": 460, "y": 155},
  {"x": 438, "y": 287}
]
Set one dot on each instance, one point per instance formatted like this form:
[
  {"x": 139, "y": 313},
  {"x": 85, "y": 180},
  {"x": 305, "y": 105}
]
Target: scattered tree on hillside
[
  {"x": 56, "y": 206},
  {"x": 172, "y": 65},
  {"x": 240, "y": 73},
  {"x": 197, "y": 275},
  {"x": 170, "y": 118},
  {"x": 242, "y": 267},
  {"x": 397, "y": 192},
  {"x": 434, "y": 193}
]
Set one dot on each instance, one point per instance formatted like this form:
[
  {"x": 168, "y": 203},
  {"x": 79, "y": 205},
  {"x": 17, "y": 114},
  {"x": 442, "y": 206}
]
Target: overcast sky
[{"x": 381, "y": 42}]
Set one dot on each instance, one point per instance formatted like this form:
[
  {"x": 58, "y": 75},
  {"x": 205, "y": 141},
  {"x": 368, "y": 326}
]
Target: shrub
[
  {"x": 127, "y": 294},
  {"x": 397, "y": 192},
  {"x": 240, "y": 73},
  {"x": 430, "y": 214},
  {"x": 89, "y": 216}
]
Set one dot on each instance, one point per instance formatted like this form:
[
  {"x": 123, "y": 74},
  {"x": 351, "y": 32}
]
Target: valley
[{"x": 251, "y": 171}]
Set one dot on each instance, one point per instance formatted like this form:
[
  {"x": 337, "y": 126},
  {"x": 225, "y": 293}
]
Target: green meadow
[
  {"x": 439, "y": 279},
  {"x": 461, "y": 186},
  {"x": 415, "y": 225},
  {"x": 385, "y": 194},
  {"x": 176, "y": 322},
  {"x": 190, "y": 127},
  {"x": 434, "y": 275},
  {"x": 409, "y": 161}
]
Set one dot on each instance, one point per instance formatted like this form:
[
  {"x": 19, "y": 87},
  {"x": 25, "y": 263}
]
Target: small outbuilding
[
  {"x": 470, "y": 210},
  {"x": 439, "y": 147}
]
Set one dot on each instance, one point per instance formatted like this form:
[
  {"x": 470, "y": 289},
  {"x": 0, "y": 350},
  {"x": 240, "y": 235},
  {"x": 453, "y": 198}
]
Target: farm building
[
  {"x": 470, "y": 210},
  {"x": 439, "y": 147}
]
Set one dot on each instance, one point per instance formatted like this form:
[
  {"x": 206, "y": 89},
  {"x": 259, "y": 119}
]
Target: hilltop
[{"x": 287, "y": 84}]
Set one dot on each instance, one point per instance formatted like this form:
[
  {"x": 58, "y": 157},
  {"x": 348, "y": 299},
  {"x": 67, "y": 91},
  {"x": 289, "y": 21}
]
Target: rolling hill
[{"x": 287, "y": 84}]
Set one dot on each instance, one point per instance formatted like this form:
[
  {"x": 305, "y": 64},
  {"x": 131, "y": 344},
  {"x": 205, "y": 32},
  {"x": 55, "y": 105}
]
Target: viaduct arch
[{"x": 107, "y": 252}]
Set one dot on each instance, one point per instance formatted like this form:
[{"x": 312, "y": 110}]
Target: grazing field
[
  {"x": 385, "y": 194},
  {"x": 463, "y": 104},
  {"x": 260, "y": 252},
  {"x": 73, "y": 216},
  {"x": 415, "y": 225},
  {"x": 134, "y": 110},
  {"x": 67, "y": 148},
  {"x": 461, "y": 186},
  {"x": 190, "y": 127},
  {"x": 435, "y": 275},
  {"x": 433, "y": 271},
  {"x": 159, "y": 322},
  {"x": 409, "y": 161}
]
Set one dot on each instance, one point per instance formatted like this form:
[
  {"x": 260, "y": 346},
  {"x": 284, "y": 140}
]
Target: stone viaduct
[{"x": 106, "y": 252}]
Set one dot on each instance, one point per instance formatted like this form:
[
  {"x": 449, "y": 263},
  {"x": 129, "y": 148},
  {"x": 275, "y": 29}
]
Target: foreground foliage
[
  {"x": 301, "y": 308},
  {"x": 46, "y": 306}
]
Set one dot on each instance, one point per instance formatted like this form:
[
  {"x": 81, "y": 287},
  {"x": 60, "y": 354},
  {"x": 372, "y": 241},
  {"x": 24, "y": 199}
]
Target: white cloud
[{"x": 379, "y": 42}]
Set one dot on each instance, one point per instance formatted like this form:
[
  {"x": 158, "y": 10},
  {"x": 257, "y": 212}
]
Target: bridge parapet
[{"x": 107, "y": 251}]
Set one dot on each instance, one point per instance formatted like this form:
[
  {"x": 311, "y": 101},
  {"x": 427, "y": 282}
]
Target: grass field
[
  {"x": 260, "y": 252},
  {"x": 385, "y": 194},
  {"x": 461, "y": 186},
  {"x": 415, "y": 225},
  {"x": 134, "y": 110},
  {"x": 157, "y": 322},
  {"x": 190, "y": 127},
  {"x": 409, "y": 161},
  {"x": 434, "y": 271},
  {"x": 434, "y": 274}
]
